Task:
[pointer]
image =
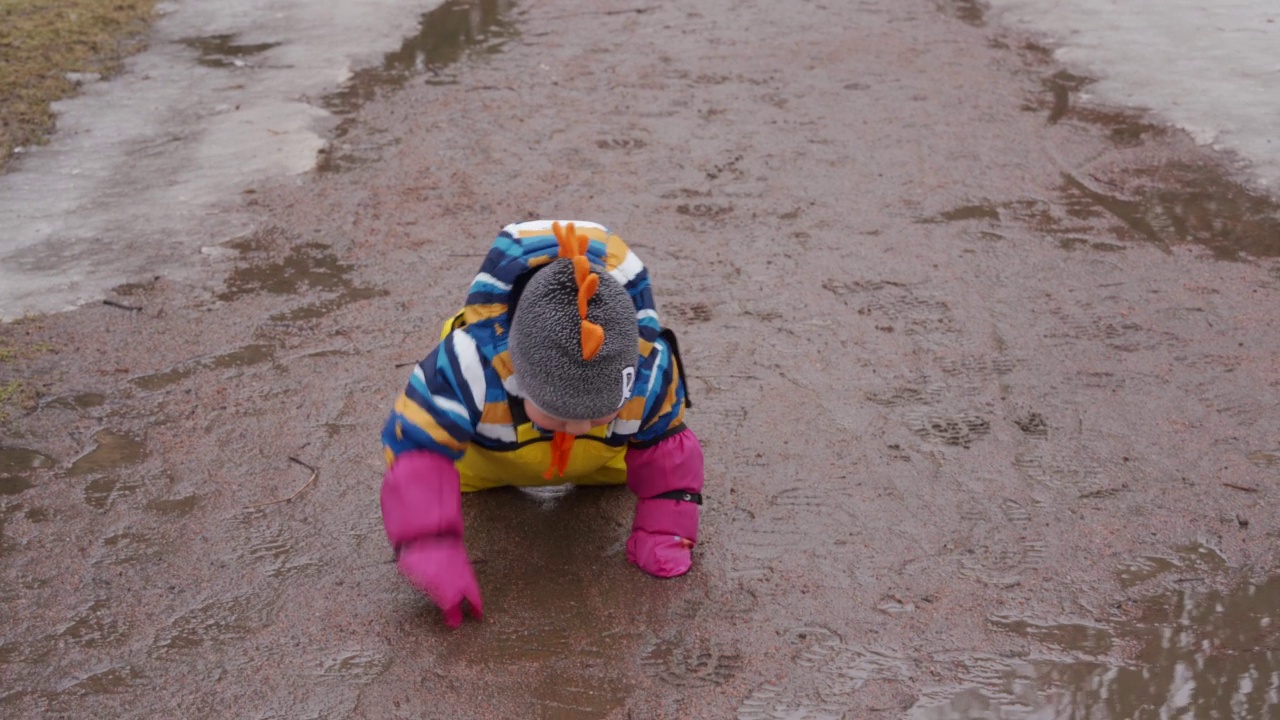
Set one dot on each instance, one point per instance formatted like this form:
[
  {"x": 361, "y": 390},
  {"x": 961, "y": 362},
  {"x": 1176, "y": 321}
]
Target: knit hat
[{"x": 573, "y": 337}]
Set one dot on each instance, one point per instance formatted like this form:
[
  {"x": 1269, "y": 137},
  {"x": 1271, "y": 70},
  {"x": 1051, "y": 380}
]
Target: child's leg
[{"x": 471, "y": 483}]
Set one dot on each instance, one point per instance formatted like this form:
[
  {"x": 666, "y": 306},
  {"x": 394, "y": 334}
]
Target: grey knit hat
[{"x": 547, "y": 347}]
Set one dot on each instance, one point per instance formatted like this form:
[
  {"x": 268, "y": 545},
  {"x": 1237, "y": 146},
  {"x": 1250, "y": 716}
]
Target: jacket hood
[{"x": 522, "y": 247}]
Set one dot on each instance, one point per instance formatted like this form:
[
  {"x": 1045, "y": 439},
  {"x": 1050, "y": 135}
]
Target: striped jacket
[{"x": 459, "y": 394}]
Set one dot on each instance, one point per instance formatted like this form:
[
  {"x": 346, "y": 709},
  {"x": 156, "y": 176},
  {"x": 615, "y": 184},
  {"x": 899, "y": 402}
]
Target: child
[{"x": 556, "y": 370}]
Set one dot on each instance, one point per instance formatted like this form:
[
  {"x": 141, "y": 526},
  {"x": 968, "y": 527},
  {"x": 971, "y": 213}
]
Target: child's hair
[{"x": 574, "y": 339}]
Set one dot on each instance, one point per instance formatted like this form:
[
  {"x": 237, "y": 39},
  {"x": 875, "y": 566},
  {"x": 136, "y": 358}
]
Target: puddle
[
  {"x": 1076, "y": 637},
  {"x": 127, "y": 548},
  {"x": 1170, "y": 205},
  {"x": 101, "y": 492},
  {"x": 1203, "y": 654},
  {"x": 322, "y": 308},
  {"x": 1192, "y": 561},
  {"x": 113, "y": 450},
  {"x": 310, "y": 266},
  {"x": 240, "y": 357},
  {"x": 445, "y": 35},
  {"x": 307, "y": 267},
  {"x": 16, "y": 465},
  {"x": 94, "y": 626},
  {"x": 83, "y": 401},
  {"x": 109, "y": 681},
  {"x": 221, "y": 51},
  {"x": 573, "y": 696},
  {"x": 175, "y": 507}
]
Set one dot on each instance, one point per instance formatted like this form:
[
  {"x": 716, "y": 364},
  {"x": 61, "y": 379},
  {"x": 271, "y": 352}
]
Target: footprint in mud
[
  {"x": 217, "y": 621},
  {"x": 691, "y": 313},
  {"x": 621, "y": 144},
  {"x": 833, "y": 672},
  {"x": 959, "y": 429},
  {"x": 1245, "y": 407},
  {"x": 913, "y": 313},
  {"x": 1033, "y": 425},
  {"x": 271, "y": 548},
  {"x": 999, "y": 546},
  {"x": 802, "y": 522},
  {"x": 841, "y": 288},
  {"x": 709, "y": 211},
  {"x": 1114, "y": 331},
  {"x": 974, "y": 374},
  {"x": 919, "y": 392},
  {"x": 111, "y": 451},
  {"x": 691, "y": 663},
  {"x": 1066, "y": 470}
]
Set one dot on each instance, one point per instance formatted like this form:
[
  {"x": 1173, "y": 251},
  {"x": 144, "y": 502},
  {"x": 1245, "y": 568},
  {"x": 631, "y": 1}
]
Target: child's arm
[
  {"x": 667, "y": 481},
  {"x": 429, "y": 428},
  {"x": 665, "y": 471}
]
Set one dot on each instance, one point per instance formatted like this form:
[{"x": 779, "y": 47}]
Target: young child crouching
[{"x": 556, "y": 371}]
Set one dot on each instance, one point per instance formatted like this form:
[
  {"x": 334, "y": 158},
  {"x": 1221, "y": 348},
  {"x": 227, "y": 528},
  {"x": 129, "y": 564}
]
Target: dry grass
[{"x": 41, "y": 41}]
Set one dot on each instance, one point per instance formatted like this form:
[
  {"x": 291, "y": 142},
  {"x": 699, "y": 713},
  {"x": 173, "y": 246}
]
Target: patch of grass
[
  {"x": 41, "y": 41},
  {"x": 19, "y": 394}
]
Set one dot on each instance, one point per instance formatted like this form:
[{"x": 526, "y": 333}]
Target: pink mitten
[
  {"x": 662, "y": 536},
  {"x": 422, "y": 513},
  {"x": 667, "y": 480},
  {"x": 439, "y": 568}
]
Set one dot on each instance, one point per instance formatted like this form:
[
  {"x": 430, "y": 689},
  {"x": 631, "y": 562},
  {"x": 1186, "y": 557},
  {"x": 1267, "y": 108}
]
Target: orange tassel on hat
[
  {"x": 574, "y": 246},
  {"x": 561, "y": 446}
]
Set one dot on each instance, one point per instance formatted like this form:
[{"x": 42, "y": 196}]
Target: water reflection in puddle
[
  {"x": 310, "y": 266},
  {"x": 240, "y": 357},
  {"x": 445, "y": 35},
  {"x": 1204, "y": 654},
  {"x": 16, "y": 466},
  {"x": 176, "y": 507},
  {"x": 222, "y": 51},
  {"x": 112, "y": 450},
  {"x": 1168, "y": 205},
  {"x": 82, "y": 401},
  {"x": 306, "y": 267},
  {"x": 1194, "y": 561}
]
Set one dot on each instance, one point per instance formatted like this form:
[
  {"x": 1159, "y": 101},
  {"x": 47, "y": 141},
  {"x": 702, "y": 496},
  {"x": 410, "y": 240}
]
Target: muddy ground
[{"x": 987, "y": 380}]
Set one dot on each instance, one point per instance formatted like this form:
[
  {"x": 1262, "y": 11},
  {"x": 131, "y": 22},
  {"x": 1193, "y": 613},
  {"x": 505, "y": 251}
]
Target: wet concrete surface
[{"x": 989, "y": 416}]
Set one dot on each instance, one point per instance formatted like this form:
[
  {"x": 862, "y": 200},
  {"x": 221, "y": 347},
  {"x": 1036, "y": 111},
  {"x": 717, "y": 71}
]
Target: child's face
[{"x": 555, "y": 424}]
